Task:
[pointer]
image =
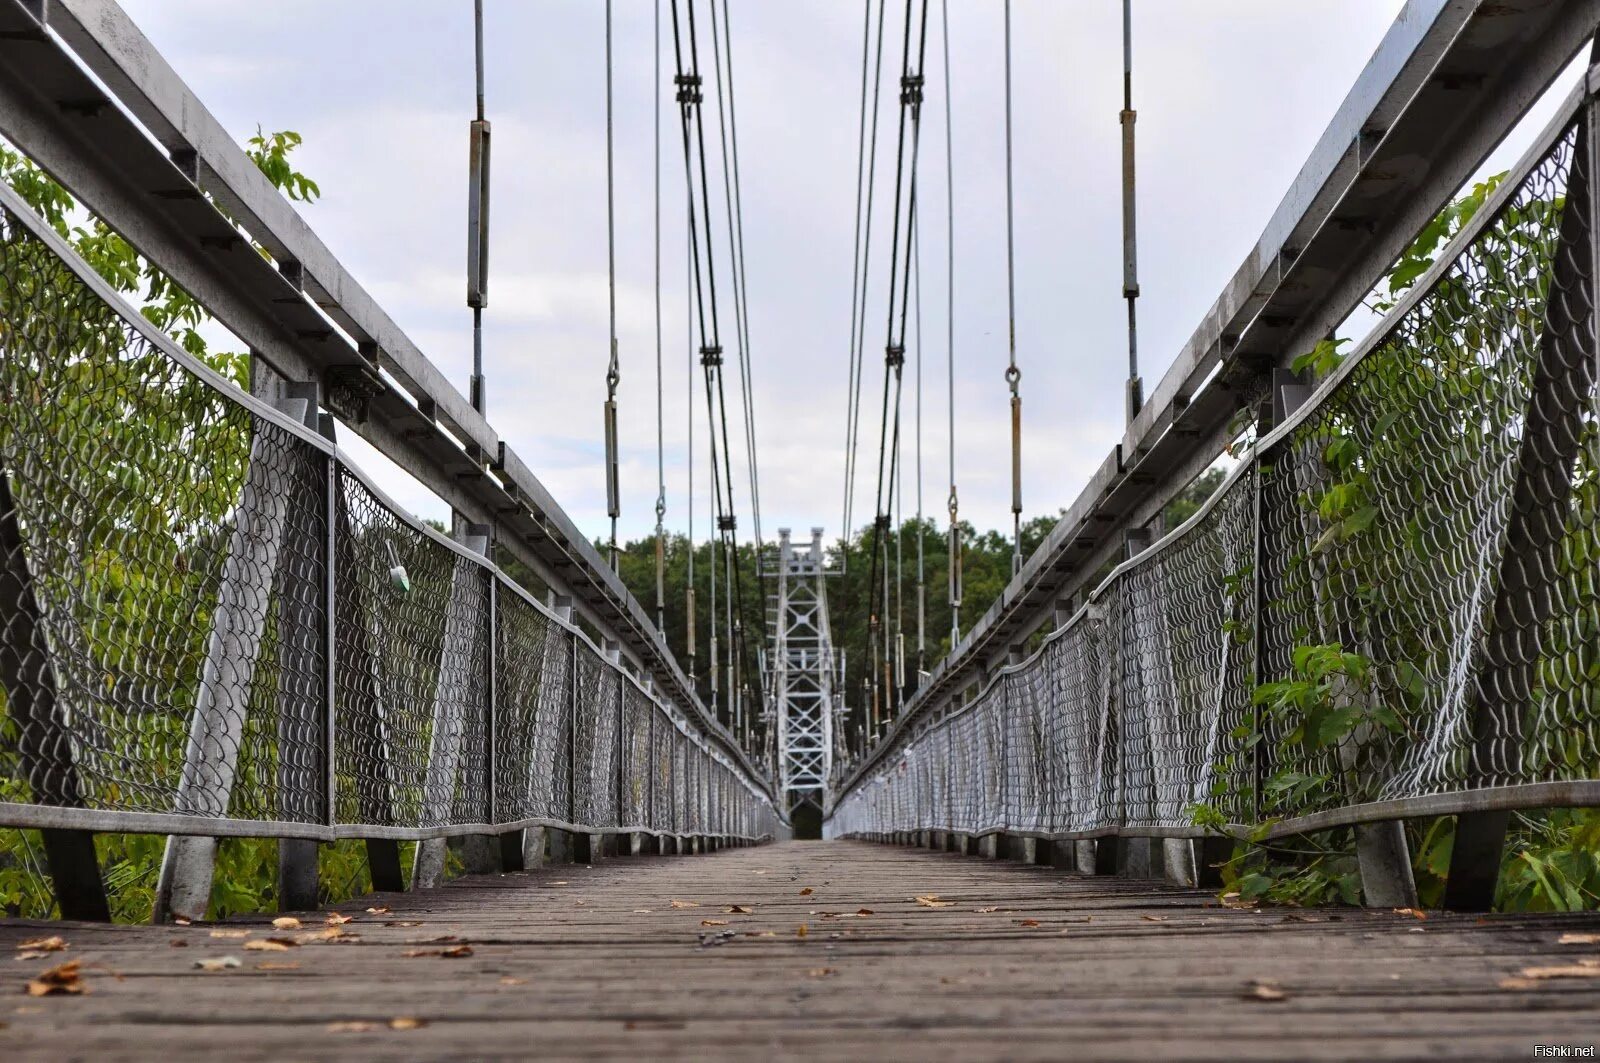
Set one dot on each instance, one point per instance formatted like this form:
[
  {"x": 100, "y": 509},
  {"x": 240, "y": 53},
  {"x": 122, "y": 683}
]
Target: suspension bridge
[{"x": 1079, "y": 832}]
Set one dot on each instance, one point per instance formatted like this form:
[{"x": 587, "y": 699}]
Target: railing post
[
  {"x": 28, "y": 677},
  {"x": 1136, "y": 857},
  {"x": 304, "y": 619},
  {"x": 238, "y": 625}
]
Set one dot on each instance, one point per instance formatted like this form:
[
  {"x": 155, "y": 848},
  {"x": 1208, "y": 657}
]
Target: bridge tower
[{"x": 803, "y": 689}]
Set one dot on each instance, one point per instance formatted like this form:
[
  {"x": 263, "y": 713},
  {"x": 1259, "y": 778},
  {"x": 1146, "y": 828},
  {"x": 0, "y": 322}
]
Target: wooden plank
[{"x": 597, "y": 962}]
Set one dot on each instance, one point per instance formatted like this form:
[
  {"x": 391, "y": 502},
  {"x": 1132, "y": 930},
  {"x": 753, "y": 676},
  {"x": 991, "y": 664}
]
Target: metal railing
[
  {"x": 212, "y": 624},
  {"x": 1390, "y": 608}
]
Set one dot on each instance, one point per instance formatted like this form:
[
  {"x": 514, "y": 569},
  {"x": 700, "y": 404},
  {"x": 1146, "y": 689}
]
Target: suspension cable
[
  {"x": 688, "y": 318},
  {"x": 727, "y": 121},
  {"x": 613, "y": 377},
  {"x": 953, "y": 555},
  {"x": 1130, "y": 257},
  {"x": 661, "y": 459},
  {"x": 858, "y": 294},
  {"x": 478, "y": 217},
  {"x": 689, "y": 96},
  {"x": 911, "y": 86},
  {"x": 1013, "y": 374},
  {"x": 922, "y": 591}
]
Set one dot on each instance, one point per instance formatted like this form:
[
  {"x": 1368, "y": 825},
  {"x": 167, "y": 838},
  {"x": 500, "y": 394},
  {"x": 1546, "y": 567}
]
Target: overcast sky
[{"x": 1231, "y": 95}]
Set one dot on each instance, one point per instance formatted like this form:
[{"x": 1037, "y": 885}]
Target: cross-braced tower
[{"x": 802, "y": 672}]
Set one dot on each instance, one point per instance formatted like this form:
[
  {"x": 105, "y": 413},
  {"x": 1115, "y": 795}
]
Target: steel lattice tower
[{"x": 803, "y": 689}]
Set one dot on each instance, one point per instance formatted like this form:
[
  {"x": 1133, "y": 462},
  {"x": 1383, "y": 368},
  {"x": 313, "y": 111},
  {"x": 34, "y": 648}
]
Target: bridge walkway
[{"x": 651, "y": 957}]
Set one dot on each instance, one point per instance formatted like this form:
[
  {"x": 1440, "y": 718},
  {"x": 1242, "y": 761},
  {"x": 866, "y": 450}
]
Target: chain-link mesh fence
[
  {"x": 210, "y": 622},
  {"x": 1395, "y": 598}
]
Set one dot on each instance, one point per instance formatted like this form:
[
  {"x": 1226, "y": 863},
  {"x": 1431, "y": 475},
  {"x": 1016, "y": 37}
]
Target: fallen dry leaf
[
  {"x": 286, "y": 922},
  {"x": 1027, "y": 922},
  {"x": 335, "y": 919},
  {"x": 1233, "y": 900},
  {"x": 180, "y": 921},
  {"x": 713, "y": 922},
  {"x": 685, "y": 904},
  {"x": 217, "y": 963},
  {"x": 404, "y": 922},
  {"x": 801, "y": 931},
  {"x": 986, "y": 911},
  {"x": 931, "y": 900},
  {"x": 1518, "y": 983},
  {"x": 760, "y": 933},
  {"x": 1573, "y": 938},
  {"x": 50, "y": 944},
  {"x": 407, "y": 1022},
  {"x": 457, "y": 952},
  {"x": 271, "y": 945},
  {"x": 1154, "y": 918},
  {"x": 821, "y": 972},
  {"x": 331, "y": 933},
  {"x": 177, "y": 943},
  {"x": 230, "y": 933},
  {"x": 808, "y": 891},
  {"x": 271, "y": 965},
  {"x": 1265, "y": 991},
  {"x": 509, "y": 980},
  {"x": 382, "y": 909},
  {"x": 1416, "y": 913},
  {"x": 865, "y": 911},
  {"x": 738, "y": 909},
  {"x": 1581, "y": 969},
  {"x": 352, "y": 1027},
  {"x": 64, "y": 978}
]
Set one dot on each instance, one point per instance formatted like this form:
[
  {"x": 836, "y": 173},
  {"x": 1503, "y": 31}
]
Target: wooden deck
[{"x": 642, "y": 958}]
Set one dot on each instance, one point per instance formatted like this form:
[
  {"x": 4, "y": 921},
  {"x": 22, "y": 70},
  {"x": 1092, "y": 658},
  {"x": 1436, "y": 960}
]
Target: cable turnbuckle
[
  {"x": 688, "y": 88},
  {"x": 911, "y": 89},
  {"x": 710, "y": 356},
  {"x": 894, "y": 356}
]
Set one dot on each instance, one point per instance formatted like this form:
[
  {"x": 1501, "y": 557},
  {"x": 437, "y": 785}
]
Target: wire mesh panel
[
  {"x": 413, "y": 615},
  {"x": 205, "y": 615},
  {"x": 1428, "y": 559},
  {"x": 592, "y": 739},
  {"x": 531, "y": 708},
  {"x": 162, "y": 552},
  {"x": 1397, "y": 598},
  {"x": 1187, "y": 621},
  {"x": 637, "y": 711}
]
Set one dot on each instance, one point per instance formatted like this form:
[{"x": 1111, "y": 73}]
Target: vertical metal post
[
  {"x": 27, "y": 675},
  {"x": 303, "y": 709}
]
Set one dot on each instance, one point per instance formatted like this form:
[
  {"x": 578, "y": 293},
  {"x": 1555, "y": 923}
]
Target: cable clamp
[
  {"x": 688, "y": 88},
  {"x": 911, "y": 89},
  {"x": 710, "y": 356},
  {"x": 727, "y": 523},
  {"x": 882, "y": 523},
  {"x": 894, "y": 356}
]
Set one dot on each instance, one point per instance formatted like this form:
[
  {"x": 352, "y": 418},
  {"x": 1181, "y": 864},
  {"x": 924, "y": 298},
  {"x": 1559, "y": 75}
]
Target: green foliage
[{"x": 985, "y": 562}]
